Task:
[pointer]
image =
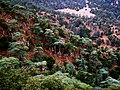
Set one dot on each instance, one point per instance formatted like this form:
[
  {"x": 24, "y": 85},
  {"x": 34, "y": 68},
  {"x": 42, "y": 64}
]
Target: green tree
[
  {"x": 44, "y": 24},
  {"x": 18, "y": 49},
  {"x": 37, "y": 30},
  {"x": 38, "y": 55}
]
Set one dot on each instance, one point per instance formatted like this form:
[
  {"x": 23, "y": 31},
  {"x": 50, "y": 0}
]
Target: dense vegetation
[
  {"x": 53, "y": 4},
  {"x": 44, "y": 51}
]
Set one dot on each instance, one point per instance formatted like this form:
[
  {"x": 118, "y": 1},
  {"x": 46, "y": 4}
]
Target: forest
[{"x": 41, "y": 49}]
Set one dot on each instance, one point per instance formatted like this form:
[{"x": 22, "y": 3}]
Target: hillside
[
  {"x": 42, "y": 49},
  {"x": 102, "y": 17}
]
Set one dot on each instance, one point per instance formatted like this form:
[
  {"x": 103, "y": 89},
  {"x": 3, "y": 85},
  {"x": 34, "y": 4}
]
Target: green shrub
[
  {"x": 38, "y": 56},
  {"x": 13, "y": 21},
  {"x": 85, "y": 77},
  {"x": 71, "y": 87},
  {"x": 109, "y": 81},
  {"x": 57, "y": 81},
  {"x": 52, "y": 83},
  {"x": 115, "y": 72},
  {"x": 112, "y": 88},
  {"x": 14, "y": 79},
  {"x": 9, "y": 61},
  {"x": 13, "y": 74},
  {"x": 39, "y": 44},
  {"x": 43, "y": 83}
]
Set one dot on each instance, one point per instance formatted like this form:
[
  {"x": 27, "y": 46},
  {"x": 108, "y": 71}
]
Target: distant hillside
[
  {"x": 53, "y": 4},
  {"x": 112, "y": 7}
]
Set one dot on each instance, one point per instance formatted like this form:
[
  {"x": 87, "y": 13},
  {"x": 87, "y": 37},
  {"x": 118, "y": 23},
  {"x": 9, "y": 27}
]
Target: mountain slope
[{"x": 34, "y": 45}]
